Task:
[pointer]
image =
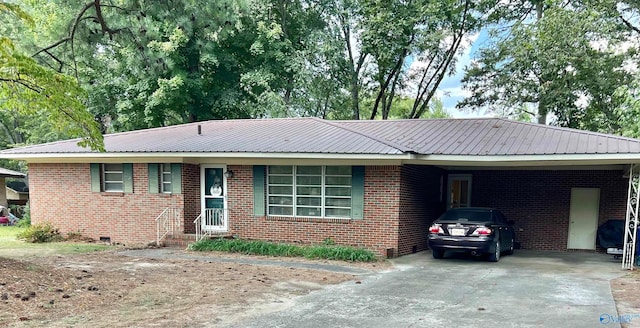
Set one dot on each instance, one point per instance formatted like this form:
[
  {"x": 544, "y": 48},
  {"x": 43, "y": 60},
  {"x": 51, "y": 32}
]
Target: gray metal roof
[{"x": 474, "y": 137}]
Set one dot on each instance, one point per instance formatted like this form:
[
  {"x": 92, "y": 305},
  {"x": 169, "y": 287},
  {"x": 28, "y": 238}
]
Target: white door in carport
[{"x": 583, "y": 218}]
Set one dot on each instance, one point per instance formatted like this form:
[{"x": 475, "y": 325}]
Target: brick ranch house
[{"x": 371, "y": 184}]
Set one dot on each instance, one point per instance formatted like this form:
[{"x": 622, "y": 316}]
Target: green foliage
[
  {"x": 340, "y": 253},
  {"x": 41, "y": 233},
  {"x": 148, "y": 64},
  {"x": 6, "y": 7},
  {"x": 403, "y": 106},
  {"x": 140, "y": 63},
  {"x": 629, "y": 109},
  {"x": 28, "y": 89},
  {"x": 564, "y": 62},
  {"x": 257, "y": 247},
  {"x": 25, "y": 221}
]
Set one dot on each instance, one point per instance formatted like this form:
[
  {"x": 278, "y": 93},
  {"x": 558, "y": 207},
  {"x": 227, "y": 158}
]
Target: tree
[
  {"x": 429, "y": 31},
  {"x": 27, "y": 88},
  {"x": 152, "y": 64},
  {"x": 148, "y": 63},
  {"x": 556, "y": 63},
  {"x": 381, "y": 38},
  {"x": 625, "y": 12}
]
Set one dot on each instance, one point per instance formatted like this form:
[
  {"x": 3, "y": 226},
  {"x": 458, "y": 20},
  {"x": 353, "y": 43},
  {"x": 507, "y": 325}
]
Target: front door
[
  {"x": 583, "y": 218},
  {"x": 214, "y": 198}
]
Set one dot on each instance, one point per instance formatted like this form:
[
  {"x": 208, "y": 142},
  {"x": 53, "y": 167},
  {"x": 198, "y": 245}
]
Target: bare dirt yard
[
  {"x": 626, "y": 292},
  {"x": 105, "y": 289}
]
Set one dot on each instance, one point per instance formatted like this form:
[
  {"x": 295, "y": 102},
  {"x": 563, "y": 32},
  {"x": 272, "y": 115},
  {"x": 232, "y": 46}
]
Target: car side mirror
[{"x": 511, "y": 222}]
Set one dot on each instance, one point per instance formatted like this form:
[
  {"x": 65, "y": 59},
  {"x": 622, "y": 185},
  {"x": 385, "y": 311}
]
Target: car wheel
[
  {"x": 495, "y": 256},
  {"x": 510, "y": 251},
  {"x": 437, "y": 253}
]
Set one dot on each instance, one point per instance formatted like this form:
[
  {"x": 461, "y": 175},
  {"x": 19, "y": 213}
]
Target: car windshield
[{"x": 466, "y": 215}]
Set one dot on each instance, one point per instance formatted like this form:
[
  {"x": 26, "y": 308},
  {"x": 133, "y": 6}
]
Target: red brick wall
[
  {"x": 538, "y": 201},
  {"x": 420, "y": 204},
  {"x": 400, "y": 203},
  {"x": 191, "y": 191},
  {"x": 378, "y": 231},
  {"x": 61, "y": 194}
]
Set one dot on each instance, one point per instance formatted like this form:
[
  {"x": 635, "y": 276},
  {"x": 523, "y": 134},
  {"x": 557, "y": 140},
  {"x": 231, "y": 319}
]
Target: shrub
[
  {"x": 41, "y": 233},
  {"x": 26, "y": 217},
  {"x": 258, "y": 247}
]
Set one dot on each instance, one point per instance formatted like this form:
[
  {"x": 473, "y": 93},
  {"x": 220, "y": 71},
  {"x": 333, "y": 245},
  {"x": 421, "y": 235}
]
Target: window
[
  {"x": 112, "y": 178},
  {"x": 165, "y": 178},
  {"x": 311, "y": 191},
  {"x": 116, "y": 178},
  {"x": 459, "y": 193}
]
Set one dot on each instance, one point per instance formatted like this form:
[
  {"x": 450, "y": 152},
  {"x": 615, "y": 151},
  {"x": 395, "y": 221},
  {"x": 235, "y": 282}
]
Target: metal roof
[
  {"x": 6, "y": 173},
  {"x": 467, "y": 137},
  {"x": 492, "y": 136},
  {"x": 301, "y": 135}
]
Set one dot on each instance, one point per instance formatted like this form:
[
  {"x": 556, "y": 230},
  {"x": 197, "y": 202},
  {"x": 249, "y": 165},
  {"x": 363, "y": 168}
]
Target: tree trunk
[
  {"x": 354, "y": 69},
  {"x": 355, "y": 96},
  {"x": 542, "y": 108},
  {"x": 384, "y": 82}
]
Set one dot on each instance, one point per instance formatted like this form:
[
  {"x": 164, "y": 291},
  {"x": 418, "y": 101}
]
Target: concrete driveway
[{"x": 528, "y": 289}]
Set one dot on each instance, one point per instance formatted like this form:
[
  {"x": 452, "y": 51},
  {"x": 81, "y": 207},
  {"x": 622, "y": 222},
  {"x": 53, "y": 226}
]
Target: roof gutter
[
  {"x": 526, "y": 160},
  {"x": 197, "y": 156}
]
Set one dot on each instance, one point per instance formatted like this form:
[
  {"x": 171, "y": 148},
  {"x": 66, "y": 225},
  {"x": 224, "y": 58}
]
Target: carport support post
[{"x": 631, "y": 220}]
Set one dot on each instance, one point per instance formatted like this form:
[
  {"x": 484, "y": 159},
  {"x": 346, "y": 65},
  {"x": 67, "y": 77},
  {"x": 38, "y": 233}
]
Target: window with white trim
[
  {"x": 165, "y": 178},
  {"x": 309, "y": 191},
  {"x": 112, "y": 178}
]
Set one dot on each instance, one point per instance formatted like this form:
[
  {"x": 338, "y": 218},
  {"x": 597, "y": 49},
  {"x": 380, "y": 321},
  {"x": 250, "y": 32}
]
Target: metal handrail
[
  {"x": 198, "y": 225},
  {"x": 214, "y": 218},
  {"x": 167, "y": 222}
]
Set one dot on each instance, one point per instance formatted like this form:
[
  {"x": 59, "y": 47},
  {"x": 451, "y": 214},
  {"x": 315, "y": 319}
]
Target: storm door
[{"x": 214, "y": 198}]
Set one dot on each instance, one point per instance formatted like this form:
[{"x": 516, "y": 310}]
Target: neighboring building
[
  {"x": 17, "y": 192},
  {"x": 372, "y": 184},
  {"x": 7, "y": 193}
]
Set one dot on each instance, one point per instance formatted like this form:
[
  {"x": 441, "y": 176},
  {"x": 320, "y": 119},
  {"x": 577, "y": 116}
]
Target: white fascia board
[
  {"x": 199, "y": 157},
  {"x": 346, "y": 159},
  {"x": 526, "y": 160}
]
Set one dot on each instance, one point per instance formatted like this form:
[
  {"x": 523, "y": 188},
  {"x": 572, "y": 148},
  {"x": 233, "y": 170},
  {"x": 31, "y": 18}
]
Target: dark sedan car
[{"x": 472, "y": 229}]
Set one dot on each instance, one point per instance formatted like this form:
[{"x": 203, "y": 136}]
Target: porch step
[{"x": 179, "y": 240}]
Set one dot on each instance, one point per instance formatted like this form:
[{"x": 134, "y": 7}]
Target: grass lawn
[{"x": 10, "y": 246}]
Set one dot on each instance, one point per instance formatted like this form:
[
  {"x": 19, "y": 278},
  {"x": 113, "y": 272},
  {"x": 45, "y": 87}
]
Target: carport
[
  {"x": 558, "y": 185},
  {"x": 554, "y": 207}
]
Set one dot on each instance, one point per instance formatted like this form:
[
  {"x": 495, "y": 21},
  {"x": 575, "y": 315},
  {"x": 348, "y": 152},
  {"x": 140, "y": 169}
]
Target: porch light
[{"x": 228, "y": 174}]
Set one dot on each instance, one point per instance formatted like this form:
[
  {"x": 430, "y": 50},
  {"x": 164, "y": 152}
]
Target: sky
[{"x": 450, "y": 90}]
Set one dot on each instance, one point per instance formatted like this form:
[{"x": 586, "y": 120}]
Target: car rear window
[{"x": 466, "y": 215}]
